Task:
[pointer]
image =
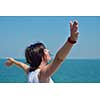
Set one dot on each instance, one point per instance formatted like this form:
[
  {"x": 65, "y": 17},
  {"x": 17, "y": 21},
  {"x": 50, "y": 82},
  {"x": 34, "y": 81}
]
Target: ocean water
[{"x": 71, "y": 71}]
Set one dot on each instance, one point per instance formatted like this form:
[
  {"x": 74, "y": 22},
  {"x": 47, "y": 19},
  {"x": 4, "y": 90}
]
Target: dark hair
[{"x": 34, "y": 54}]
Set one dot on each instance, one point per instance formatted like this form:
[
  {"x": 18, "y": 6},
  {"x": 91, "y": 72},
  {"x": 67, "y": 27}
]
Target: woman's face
[{"x": 47, "y": 54}]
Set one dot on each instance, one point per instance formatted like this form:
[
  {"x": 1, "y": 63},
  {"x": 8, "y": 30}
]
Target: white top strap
[{"x": 33, "y": 77}]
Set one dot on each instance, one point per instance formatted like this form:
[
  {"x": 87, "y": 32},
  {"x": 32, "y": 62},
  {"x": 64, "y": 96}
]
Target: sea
[{"x": 71, "y": 71}]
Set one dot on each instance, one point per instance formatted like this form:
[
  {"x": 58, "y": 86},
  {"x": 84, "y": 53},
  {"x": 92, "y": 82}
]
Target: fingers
[
  {"x": 75, "y": 22},
  {"x": 8, "y": 63},
  {"x": 73, "y": 26},
  {"x": 74, "y": 30}
]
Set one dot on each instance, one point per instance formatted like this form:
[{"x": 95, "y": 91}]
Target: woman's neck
[{"x": 43, "y": 63}]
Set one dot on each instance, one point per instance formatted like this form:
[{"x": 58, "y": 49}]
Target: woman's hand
[
  {"x": 74, "y": 30},
  {"x": 9, "y": 61}
]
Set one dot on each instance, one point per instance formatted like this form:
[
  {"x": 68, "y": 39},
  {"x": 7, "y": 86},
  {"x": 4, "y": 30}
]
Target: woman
[{"x": 37, "y": 56}]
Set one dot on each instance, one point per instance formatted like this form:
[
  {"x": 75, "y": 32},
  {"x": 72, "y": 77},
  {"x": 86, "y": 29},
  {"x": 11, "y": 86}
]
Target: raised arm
[
  {"x": 12, "y": 61},
  {"x": 62, "y": 53}
]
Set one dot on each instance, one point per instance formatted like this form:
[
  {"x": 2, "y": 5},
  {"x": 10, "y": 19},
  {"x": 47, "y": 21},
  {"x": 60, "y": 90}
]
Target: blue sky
[{"x": 16, "y": 33}]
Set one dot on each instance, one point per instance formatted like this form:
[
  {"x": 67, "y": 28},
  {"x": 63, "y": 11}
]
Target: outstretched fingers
[
  {"x": 74, "y": 30},
  {"x": 8, "y": 62},
  {"x": 75, "y": 26}
]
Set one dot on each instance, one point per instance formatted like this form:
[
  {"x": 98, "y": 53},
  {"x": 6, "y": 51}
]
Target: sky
[{"x": 17, "y": 32}]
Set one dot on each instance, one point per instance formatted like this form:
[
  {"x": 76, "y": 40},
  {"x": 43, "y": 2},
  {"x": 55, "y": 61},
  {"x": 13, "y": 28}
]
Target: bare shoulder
[
  {"x": 42, "y": 75},
  {"x": 48, "y": 70}
]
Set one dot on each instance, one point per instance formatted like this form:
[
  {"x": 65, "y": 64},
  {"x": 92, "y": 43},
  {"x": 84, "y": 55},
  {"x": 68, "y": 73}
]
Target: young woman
[{"x": 37, "y": 56}]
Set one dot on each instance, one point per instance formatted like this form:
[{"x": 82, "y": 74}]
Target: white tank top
[{"x": 33, "y": 77}]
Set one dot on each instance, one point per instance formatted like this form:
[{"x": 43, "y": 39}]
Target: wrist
[
  {"x": 12, "y": 60},
  {"x": 71, "y": 40}
]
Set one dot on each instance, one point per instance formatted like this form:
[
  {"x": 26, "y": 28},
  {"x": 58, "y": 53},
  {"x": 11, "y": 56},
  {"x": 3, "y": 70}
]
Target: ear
[
  {"x": 45, "y": 50},
  {"x": 45, "y": 54}
]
